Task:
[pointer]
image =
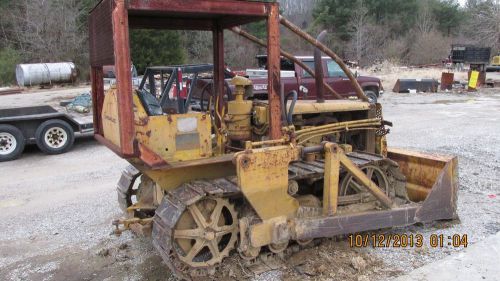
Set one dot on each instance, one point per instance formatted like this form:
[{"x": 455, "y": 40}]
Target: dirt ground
[{"x": 56, "y": 211}]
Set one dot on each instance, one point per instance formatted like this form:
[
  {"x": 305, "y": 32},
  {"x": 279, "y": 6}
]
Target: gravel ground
[
  {"x": 466, "y": 125},
  {"x": 56, "y": 211}
]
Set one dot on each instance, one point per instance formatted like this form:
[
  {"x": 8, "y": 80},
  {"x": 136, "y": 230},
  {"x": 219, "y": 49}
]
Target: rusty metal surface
[
  {"x": 218, "y": 55},
  {"x": 149, "y": 157},
  {"x": 352, "y": 223},
  {"x": 174, "y": 14},
  {"x": 318, "y": 69},
  {"x": 97, "y": 91},
  {"x": 447, "y": 79},
  {"x": 194, "y": 14},
  {"x": 441, "y": 203},
  {"x": 146, "y": 22},
  {"x": 274, "y": 72},
  {"x": 203, "y": 8},
  {"x": 101, "y": 34},
  {"x": 421, "y": 170},
  {"x": 431, "y": 178},
  {"x": 123, "y": 77}
]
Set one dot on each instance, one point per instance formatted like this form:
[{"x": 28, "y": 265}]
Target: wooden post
[{"x": 274, "y": 71}]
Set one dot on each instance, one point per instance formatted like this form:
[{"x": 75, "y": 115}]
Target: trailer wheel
[
  {"x": 54, "y": 136},
  {"x": 11, "y": 142},
  {"x": 372, "y": 96}
]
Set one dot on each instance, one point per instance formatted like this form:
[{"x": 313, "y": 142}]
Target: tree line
[{"x": 406, "y": 31}]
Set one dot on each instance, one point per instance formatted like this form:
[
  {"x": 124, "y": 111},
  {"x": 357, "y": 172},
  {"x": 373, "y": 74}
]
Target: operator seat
[{"x": 150, "y": 103}]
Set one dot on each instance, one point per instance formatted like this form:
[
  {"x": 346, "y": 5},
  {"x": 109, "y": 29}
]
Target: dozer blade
[
  {"x": 432, "y": 179},
  {"x": 432, "y": 186}
]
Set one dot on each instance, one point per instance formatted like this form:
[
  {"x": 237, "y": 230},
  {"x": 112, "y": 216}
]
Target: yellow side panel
[
  {"x": 263, "y": 179},
  {"x": 177, "y": 137},
  {"x": 110, "y": 120},
  {"x": 172, "y": 178}
]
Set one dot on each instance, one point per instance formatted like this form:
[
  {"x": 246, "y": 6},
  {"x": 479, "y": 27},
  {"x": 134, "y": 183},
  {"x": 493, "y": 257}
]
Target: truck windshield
[
  {"x": 311, "y": 66},
  {"x": 334, "y": 69}
]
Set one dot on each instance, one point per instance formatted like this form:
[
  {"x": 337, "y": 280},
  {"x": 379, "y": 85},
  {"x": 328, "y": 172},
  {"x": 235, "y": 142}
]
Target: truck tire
[
  {"x": 372, "y": 96},
  {"x": 54, "y": 136},
  {"x": 11, "y": 142}
]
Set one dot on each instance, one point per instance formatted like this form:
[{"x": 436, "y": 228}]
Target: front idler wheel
[{"x": 350, "y": 186}]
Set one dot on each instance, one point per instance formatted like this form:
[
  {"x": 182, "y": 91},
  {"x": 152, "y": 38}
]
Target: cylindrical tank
[{"x": 45, "y": 73}]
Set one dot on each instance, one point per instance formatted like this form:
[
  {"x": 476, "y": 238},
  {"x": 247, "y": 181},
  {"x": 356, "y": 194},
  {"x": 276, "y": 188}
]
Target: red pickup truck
[{"x": 295, "y": 78}]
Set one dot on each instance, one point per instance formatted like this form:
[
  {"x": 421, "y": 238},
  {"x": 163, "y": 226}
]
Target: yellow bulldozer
[{"x": 244, "y": 175}]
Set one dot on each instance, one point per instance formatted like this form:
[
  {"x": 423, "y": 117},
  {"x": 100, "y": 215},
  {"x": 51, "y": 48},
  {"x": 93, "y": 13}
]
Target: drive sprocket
[
  {"x": 195, "y": 228},
  {"x": 206, "y": 232}
]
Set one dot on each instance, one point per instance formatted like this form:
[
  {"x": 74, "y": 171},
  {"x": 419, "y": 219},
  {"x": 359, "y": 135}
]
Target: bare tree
[
  {"x": 239, "y": 52},
  {"x": 48, "y": 30},
  {"x": 429, "y": 47},
  {"x": 394, "y": 50},
  {"x": 425, "y": 20},
  {"x": 426, "y": 44},
  {"x": 198, "y": 45},
  {"x": 359, "y": 22},
  {"x": 369, "y": 40},
  {"x": 484, "y": 26}
]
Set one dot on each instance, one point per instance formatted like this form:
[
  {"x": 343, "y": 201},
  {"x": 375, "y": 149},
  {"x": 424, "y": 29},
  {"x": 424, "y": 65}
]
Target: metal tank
[{"x": 45, "y": 73}]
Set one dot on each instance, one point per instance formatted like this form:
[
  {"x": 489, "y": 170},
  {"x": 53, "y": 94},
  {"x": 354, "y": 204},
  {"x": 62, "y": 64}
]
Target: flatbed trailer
[{"x": 51, "y": 130}]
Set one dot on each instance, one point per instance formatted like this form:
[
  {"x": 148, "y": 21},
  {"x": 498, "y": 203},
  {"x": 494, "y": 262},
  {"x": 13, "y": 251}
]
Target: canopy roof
[{"x": 172, "y": 14}]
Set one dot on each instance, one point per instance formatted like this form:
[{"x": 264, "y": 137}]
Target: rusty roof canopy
[
  {"x": 194, "y": 14},
  {"x": 173, "y": 14}
]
